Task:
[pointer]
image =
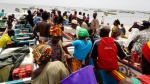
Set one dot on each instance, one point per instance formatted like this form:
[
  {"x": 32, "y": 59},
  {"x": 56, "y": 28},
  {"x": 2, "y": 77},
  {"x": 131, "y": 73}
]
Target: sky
[{"x": 143, "y": 5}]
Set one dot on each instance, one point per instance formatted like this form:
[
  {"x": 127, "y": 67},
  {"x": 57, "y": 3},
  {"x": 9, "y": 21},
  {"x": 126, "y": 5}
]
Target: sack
[
  {"x": 107, "y": 55},
  {"x": 82, "y": 76}
]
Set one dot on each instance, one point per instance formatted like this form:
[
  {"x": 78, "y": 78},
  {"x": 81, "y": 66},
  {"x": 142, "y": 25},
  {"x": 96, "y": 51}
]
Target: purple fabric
[{"x": 82, "y": 76}]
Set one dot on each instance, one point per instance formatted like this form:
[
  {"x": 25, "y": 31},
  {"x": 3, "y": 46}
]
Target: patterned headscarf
[
  {"x": 56, "y": 30},
  {"x": 41, "y": 52},
  {"x": 146, "y": 51}
]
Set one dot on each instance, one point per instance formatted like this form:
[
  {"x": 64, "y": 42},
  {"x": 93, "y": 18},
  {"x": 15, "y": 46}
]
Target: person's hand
[
  {"x": 68, "y": 56},
  {"x": 129, "y": 60}
]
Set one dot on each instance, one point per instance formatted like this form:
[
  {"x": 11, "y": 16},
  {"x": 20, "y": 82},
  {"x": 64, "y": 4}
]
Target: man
[
  {"x": 5, "y": 40},
  {"x": 95, "y": 22},
  {"x": 80, "y": 13},
  {"x": 81, "y": 22},
  {"x": 115, "y": 30},
  {"x": 2, "y": 13},
  {"x": 37, "y": 18},
  {"x": 145, "y": 66},
  {"x": 59, "y": 18},
  {"x": 29, "y": 18},
  {"x": 75, "y": 15},
  {"x": 82, "y": 48},
  {"x": 105, "y": 52},
  {"x": 84, "y": 17},
  {"x": 55, "y": 43},
  {"x": 140, "y": 39},
  {"x": 42, "y": 28},
  {"x": 47, "y": 72},
  {"x": 102, "y": 21},
  {"x": 123, "y": 32}
]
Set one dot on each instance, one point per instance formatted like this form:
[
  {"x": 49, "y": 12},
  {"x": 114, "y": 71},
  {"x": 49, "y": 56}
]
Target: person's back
[
  {"x": 29, "y": 18},
  {"x": 53, "y": 73},
  {"x": 4, "y": 40}
]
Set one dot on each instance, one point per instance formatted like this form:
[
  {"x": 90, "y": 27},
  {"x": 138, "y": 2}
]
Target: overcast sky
[{"x": 109, "y": 4}]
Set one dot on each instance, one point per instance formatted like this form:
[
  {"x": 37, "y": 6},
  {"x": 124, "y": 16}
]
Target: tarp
[{"x": 82, "y": 76}]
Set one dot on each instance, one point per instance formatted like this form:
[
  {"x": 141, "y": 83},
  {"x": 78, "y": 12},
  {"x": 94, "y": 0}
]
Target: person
[
  {"x": 135, "y": 46},
  {"x": 123, "y": 31},
  {"x": 54, "y": 16},
  {"x": 29, "y": 18},
  {"x": 74, "y": 25},
  {"x": 115, "y": 30},
  {"x": 70, "y": 18},
  {"x": 9, "y": 22},
  {"x": 87, "y": 20},
  {"x": 82, "y": 48},
  {"x": 81, "y": 22},
  {"x": 47, "y": 72},
  {"x": 145, "y": 66},
  {"x": 55, "y": 43},
  {"x": 59, "y": 18},
  {"x": 37, "y": 18},
  {"x": 75, "y": 15},
  {"x": 95, "y": 22},
  {"x": 5, "y": 40},
  {"x": 102, "y": 21},
  {"x": 2, "y": 13},
  {"x": 133, "y": 31},
  {"x": 91, "y": 35},
  {"x": 84, "y": 17},
  {"x": 42, "y": 28},
  {"x": 105, "y": 52}
]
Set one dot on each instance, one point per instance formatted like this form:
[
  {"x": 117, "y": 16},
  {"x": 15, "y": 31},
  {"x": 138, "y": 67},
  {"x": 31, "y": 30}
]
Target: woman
[
  {"x": 115, "y": 30},
  {"x": 48, "y": 72},
  {"x": 145, "y": 66}
]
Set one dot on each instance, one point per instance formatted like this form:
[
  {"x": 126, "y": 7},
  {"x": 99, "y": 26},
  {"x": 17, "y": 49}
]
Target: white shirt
[{"x": 77, "y": 30}]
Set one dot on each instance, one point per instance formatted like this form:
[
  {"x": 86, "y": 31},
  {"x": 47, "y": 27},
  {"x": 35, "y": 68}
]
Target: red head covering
[{"x": 146, "y": 51}]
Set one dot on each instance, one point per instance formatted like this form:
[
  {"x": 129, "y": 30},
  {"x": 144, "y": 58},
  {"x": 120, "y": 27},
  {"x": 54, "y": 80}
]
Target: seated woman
[
  {"x": 145, "y": 66},
  {"x": 48, "y": 72}
]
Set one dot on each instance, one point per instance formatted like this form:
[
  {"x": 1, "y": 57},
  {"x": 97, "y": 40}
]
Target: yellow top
[{"x": 4, "y": 40}]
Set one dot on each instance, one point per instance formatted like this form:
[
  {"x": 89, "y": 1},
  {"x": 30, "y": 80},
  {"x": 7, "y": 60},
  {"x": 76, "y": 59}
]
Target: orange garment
[{"x": 76, "y": 64}]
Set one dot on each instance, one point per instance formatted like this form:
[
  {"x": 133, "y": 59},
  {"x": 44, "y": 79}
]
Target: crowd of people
[{"x": 92, "y": 41}]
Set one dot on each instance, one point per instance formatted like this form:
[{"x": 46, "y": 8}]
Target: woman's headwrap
[
  {"x": 41, "y": 52},
  {"x": 146, "y": 51},
  {"x": 56, "y": 30}
]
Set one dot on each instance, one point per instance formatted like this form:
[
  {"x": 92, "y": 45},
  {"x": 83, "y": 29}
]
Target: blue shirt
[
  {"x": 2, "y": 14},
  {"x": 37, "y": 19},
  {"x": 81, "y": 48}
]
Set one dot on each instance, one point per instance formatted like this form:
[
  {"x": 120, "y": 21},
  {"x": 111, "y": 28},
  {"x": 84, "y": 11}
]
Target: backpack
[{"x": 107, "y": 54}]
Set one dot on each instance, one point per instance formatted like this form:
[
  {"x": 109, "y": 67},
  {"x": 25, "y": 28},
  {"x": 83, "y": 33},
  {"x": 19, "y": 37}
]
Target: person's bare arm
[
  {"x": 65, "y": 48},
  {"x": 35, "y": 31}
]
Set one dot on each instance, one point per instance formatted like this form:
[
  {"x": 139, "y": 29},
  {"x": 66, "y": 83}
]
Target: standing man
[
  {"x": 41, "y": 29},
  {"x": 29, "y": 18},
  {"x": 59, "y": 18}
]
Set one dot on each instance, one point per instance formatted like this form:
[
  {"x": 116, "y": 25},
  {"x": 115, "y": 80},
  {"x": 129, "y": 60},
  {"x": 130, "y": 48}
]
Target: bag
[
  {"x": 107, "y": 55},
  {"x": 82, "y": 76}
]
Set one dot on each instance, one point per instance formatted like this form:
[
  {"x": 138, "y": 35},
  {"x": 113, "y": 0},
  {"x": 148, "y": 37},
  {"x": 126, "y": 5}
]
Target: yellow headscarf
[
  {"x": 56, "y": 30},
  {"x": 41, "y": 52}
]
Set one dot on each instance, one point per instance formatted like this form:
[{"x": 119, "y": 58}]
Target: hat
[
  {"x": 56, "y": 31},
  {"x": 80, "y": 16},
  {"x": 83, "y": 32},
  {"x": 145, "y": 23},
  {"x": 74, "y": 22},
  {"x": 146, "y": 51},
  {"x": 41, "y": 52}
]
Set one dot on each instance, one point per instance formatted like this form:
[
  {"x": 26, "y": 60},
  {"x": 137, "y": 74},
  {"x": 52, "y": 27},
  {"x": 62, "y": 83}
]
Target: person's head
[
  {"x": 2, "y": 10},
  {"x": 80, "y": 13},
  {"x": 145, "y": 64},
  {"x": 107, "y": 23},
  {"x": 13, "y": 16},
  {"x": 116, "y": 22},
  {"x": 83, "y": 33},
  {"x": 41, "y": 11},
  {"x": 94, "y": 15},
  {"x": 11, "y": 32},
  {"x": 29, "y": 12},
  {"x": 9, "y": 17},
  {"x": 121, "y": 25},
  {"x": 75, "y": 12},
  {"x": 136, "y": 24},
  {"x": 145, "y": 25},
  {"x": 104, "y": 31},
  {"x": 56, "y": 33},
  {"x": 102, "y": 16},
  {"x": 74, "y": 24},
  {"x": 41, "y": 53},
  {"x": 90, "y": 31},
  {"x": 80, "y": 19},
  {"x": 45, "y": 16},
  {"x": 87, "y": 14},
  {"x": 59, "y": 12},
  {"x": 83, "y": 14},
  {"x": 38, "y": 14}
]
